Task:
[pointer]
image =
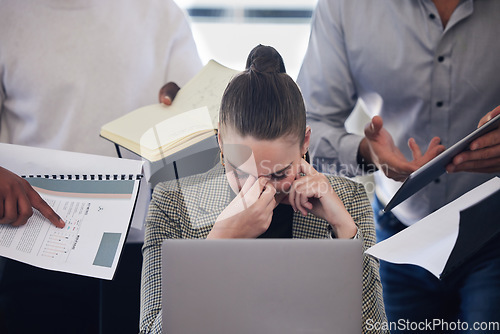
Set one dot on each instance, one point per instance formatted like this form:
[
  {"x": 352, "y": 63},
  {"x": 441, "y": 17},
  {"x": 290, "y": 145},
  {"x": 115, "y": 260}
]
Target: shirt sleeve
[
  {"x": 184, "y": 61},
  {"x": 329, "y": 92}
]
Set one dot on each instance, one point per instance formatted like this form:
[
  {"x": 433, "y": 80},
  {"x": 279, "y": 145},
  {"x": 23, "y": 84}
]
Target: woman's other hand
[
  {"x": 312, "y": 193},
  {"x": 249, "y": 214}
]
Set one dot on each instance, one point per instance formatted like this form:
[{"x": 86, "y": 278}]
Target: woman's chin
[{"x": 282, "y": 198}]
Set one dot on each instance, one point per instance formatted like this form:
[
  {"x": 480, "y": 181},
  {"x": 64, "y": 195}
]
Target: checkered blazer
[{"x": 188, "y": 208}]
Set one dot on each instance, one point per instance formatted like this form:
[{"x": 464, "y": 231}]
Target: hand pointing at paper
[{"x": 17, "y": 198}]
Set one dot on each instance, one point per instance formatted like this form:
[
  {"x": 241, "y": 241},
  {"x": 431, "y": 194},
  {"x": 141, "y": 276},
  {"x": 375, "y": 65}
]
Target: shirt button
[
  {"x": 432, "y": 16},
  {"x": 439, "y": 104},
  {"x": 437, "y": 180},
  {"x": 440, "y": 59}
]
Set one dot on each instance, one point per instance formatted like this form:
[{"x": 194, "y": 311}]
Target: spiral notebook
[{"x": 96, "y": 207}]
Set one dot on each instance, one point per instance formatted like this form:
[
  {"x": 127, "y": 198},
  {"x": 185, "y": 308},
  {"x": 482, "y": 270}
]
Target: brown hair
[{"x": 263, "y": 101}]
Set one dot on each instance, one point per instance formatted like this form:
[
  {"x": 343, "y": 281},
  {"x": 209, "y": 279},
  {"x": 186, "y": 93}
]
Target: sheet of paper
[
  {"x": 429, "y": 242},
  {"x": 25, "y": 160},
  {"x": 169, "y": 132},
  {"x": 97, "y": 212}
]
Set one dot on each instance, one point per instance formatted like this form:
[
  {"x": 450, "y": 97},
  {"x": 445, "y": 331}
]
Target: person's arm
[
  {"x": 249, "y": 214},
  {"x": 312, "y": 193},
  {"x": 377, "y": 148},
  {"x": 329, "y": 92},
  {"x": 17, "y": 200},
  {"x": 161, "y": 224},
  {"x": 484, "y": 153},
  {"x": 359, "y": 207},
  {"x": 184, "y": 61}
]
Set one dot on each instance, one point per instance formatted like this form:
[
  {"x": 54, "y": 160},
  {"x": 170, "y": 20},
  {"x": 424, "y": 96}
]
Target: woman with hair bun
[{"x": 263, "y": 188}]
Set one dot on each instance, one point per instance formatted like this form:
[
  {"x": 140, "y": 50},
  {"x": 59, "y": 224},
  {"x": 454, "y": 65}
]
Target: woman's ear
[
  {"x": 219, "y": 140},
  {"x": 307, "y": 141}
]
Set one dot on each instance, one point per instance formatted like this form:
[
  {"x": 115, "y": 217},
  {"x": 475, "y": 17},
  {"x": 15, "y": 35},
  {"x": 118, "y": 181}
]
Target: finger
[
  {"x": 300, "y": 198},
  {"x": 302, "y": 203},
  {"x": 45, "y": 209},
  {"x": 476, "y": 166},
  {"x": 168, "y": 92},
  {"x": 10, "y": 210},
  {"x": 434, "y": 149},
  {"x": 270, "y": 206},
  {"x": 257, "y": 187},
  {"x": 480, "y": 160},
  {"x": 306, "y": 168},
  {"x": 24, "y": 210},
  {"x": 292, "y": 192},
  {"x": 268, "y": 193},
  {"x": 489, "y": 116},
  {"x": 414, "y": 148},
  {"x": 251, "y": 196},
  {"x": 249, "y": 182},
  {"x": 490, "y": 139},
  {"x": 373, "y": 128},
  {"x": 477, "y": 155},
  {"x": 1, "y": 208}
]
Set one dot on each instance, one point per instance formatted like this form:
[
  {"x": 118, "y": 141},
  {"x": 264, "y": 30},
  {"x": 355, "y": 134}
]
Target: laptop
[{"x": 266, "y": 286}]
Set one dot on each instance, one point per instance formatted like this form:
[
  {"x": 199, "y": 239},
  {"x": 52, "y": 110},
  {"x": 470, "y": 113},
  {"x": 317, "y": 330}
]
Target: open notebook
[{"x": 157, "y": 131}]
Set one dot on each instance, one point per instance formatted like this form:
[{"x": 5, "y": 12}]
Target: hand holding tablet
[
  {"x": 484, "y": 153},
  {"x": 443, "y": 162}
]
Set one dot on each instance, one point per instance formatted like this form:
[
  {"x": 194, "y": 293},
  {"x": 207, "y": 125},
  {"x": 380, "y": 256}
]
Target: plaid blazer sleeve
[
  {"x": 355, "y": 200},
  {"x": 175, "y": 212},
  {"x": 164, "y": 209}
]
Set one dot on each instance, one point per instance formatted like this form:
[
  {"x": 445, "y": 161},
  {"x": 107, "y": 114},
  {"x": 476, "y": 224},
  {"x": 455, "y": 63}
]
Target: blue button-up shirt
[{"x": 423, "y": 79}]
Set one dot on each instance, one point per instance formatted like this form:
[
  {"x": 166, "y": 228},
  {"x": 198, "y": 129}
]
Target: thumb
[
  {"x": 373, "y": 128},
  {"x": 306, "y": 168},
  {"x": 168, "y": 92},
  {"x": 489, "y": 116}
]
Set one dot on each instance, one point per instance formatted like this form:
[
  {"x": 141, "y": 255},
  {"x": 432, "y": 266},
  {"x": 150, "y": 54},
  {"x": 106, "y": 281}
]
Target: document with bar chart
[{"x": 97, "y": 210}]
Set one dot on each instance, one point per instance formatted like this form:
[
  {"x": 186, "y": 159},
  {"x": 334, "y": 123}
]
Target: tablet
[{"x": 437, "y": 166}]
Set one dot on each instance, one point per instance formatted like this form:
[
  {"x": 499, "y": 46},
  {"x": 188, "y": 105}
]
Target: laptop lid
[{"x": 261, "y": 286}]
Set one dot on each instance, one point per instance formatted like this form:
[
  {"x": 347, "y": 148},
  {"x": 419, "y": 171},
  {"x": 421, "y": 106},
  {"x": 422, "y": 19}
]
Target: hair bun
[{"x": 265, "y": 59}]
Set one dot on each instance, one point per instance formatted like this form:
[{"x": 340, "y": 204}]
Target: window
[{"x": 226, "y": 30}]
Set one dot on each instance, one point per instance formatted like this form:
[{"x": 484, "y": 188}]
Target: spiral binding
[{"x": 85, "y": 177}]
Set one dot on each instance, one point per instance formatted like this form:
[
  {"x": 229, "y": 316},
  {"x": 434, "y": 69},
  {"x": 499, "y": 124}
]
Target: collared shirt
[{"x": 423, "y": 79}]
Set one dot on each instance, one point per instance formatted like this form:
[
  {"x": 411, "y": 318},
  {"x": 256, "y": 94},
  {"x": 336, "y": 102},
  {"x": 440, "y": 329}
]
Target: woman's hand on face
[
  {"x": 249, "y": 214},
  {"x": 313, "y": 193}
]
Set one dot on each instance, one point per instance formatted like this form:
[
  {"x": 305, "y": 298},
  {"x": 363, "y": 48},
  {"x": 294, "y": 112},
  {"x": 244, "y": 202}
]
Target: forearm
[{"x": 159, "y": 227}]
